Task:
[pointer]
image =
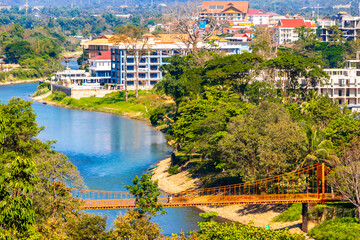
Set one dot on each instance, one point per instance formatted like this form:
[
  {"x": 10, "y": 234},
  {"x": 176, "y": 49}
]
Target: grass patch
[
  {"x": 173, "y": 170},
  {"x": 291, "y": 214},
  {"x": 337, "y": 229},
  {"x": 115, "y": 103}
]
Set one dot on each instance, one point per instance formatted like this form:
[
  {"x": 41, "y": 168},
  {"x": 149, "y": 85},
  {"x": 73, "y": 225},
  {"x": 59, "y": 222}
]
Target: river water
[{"x": 107, "y": 149}]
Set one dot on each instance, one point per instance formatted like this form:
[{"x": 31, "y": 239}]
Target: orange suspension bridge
[{"x": 307, "y": 185}]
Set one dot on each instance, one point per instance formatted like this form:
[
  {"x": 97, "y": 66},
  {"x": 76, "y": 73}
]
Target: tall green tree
[
  {"x": 261, "y": 143},
  {"x": 15, "y": 51},
  {"x": 17, "y": 216},
  {"x": 133, "y": 225},
  {"x": 146, "y": 193}
]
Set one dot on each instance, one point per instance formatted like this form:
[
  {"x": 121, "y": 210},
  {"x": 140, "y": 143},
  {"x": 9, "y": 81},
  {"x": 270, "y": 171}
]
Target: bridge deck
[
  {"x": 216, "y": 200},
  {"x": 306, "y": 185}
]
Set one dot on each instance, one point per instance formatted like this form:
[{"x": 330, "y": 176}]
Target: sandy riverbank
[
  {"x": 260, "y": 215},
  {"x": 19, "y": 82}
]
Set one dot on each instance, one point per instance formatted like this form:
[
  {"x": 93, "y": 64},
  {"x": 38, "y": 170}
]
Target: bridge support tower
[{"x": 305, "y": 217}]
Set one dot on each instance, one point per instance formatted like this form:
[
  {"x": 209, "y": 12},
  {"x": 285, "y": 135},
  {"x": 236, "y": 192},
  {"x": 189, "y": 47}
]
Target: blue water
[{"x": 107, "y": 149}]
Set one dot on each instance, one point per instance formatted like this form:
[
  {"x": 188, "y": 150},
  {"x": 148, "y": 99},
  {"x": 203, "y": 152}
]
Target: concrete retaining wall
[
  {"x": 60, "y": 88},
  {"x": 81, "y": 93}
]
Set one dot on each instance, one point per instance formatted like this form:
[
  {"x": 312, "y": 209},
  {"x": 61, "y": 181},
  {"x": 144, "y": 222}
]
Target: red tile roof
[
  {"x": 256, "y": 12},
  {"x": 242, "y": 6},
  {"x": 103, "y": 56},
  {"x": 292, "y": 23},
  {"x": 310, "y": 25},
  {"x": 241, "y": 35}
]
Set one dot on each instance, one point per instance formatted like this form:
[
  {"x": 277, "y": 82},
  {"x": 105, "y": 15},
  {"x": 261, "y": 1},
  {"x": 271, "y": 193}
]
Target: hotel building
[{"x": 159, "y": 48}]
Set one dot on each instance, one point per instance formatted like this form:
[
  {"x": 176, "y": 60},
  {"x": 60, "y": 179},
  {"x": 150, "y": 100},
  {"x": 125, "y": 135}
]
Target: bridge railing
[{"x": 306, "y": 184}]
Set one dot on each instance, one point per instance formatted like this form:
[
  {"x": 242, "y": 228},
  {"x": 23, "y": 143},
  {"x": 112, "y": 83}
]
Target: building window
[
  {"x": 130, "y": 68},
  {"x": 142, "y": 75},
  {"x": 153, "y": 68},
  {"x": 153, "y": 75},
  {"x": 143, "y": 60},
  {"x": 130, "y": 60},
  {"x": 130, "y": 75},
  {"x": 153, "y": 60}
]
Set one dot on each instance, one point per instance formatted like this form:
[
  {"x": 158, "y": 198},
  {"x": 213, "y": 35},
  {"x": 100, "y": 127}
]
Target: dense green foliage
[
  {"x": 337, "y": 229},
  {"x": 146, "y": 193},
  {"x": 212, "y": 230},
  {"x": 34, "y": 195},
  {"x": 291, "y": 214},
  {"x": 37, "y": 51},
  {"x": 75, "y": 21},
  {"x": 236, "y": 127}
]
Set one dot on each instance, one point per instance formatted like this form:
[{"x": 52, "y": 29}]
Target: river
[{"x": 107, "y": 149}]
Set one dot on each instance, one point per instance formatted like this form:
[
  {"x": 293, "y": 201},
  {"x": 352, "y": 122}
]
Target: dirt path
[{"x": 260, "y": 215}]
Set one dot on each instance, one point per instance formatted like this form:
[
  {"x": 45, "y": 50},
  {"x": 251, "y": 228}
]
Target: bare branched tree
[
  {"x": 131, "y": 40},
  {"x": 264, "y": 42},
  {"x": 345, "y": 178},
  {"x": 190, "y": 28}
]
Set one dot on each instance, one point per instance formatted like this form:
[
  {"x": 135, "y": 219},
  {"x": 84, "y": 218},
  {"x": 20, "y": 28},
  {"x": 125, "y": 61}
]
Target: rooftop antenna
[
  {"x": 318, "y": 9},
  {"x": 27, "y": 6}
]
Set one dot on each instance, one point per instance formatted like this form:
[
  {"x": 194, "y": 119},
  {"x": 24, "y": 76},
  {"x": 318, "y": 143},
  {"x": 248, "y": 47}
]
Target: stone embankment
[{"x": 260, "y": 215}]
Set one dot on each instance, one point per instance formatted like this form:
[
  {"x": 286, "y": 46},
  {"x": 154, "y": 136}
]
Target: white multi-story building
[
  {"x": 258, "y": 17},
  {"x": 285, "y": 31},
  {"x": 344, "y": 84},
  {"x": 100, "y": 66},
  {"x": 159, "y": 48}
]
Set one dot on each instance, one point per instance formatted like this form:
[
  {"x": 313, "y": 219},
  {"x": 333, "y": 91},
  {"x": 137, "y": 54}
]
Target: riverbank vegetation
[
  {"x": 36, "y": 199},
  {"x": 232, "y": 128},
  {"x": 136, "y": 108}
]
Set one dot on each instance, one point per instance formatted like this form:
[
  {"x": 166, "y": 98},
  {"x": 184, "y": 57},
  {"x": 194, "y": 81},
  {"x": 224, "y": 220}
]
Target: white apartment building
[
  {"x": 159, "y": 48},
  {"x": 100, "y": 66},
  {"x": 344, "y": 84},
  {"x": 285, "y": 31},
  {"x": 258, "y": 17}
]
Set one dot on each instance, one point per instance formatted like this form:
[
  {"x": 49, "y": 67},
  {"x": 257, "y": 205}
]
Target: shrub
[
  {"x": 156, "y": 115},
  {"x": 44, "y": 85},
  {"x": 214, "y": 230},
  {"x": 58, "y": 96},
  {"x": 291, "y": 214},
  {"x": 337, "y": 229},
  {"x": 173, "y": 170},
  {"x": 41, "y": 91}
]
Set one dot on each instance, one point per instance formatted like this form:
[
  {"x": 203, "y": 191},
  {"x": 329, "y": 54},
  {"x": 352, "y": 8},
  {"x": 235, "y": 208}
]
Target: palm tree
[
  {"x": 317, "y": 148},
  {"x": 309, "y": 106}
]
